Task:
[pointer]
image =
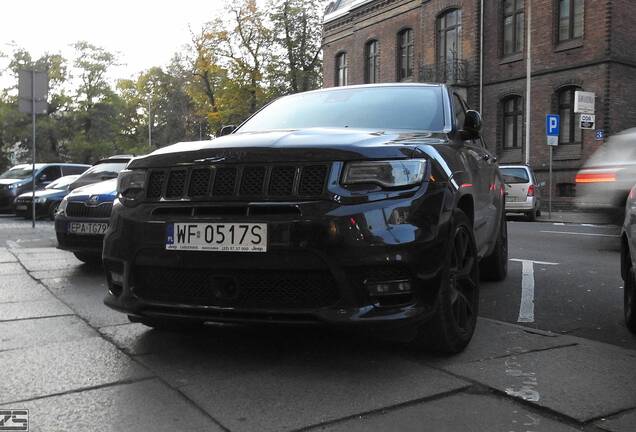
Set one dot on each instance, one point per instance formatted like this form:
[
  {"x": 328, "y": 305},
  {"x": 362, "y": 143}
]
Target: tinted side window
[
  {"x": 460, "y": 111},
  {"x": 72, "y": 170},
  {"x": 51, "y": 173}
]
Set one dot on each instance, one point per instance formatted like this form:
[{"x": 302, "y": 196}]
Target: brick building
[{"x": 576, "y": 45}]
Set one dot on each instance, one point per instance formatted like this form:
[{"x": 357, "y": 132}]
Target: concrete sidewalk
[{"x": 77, "y": 365}]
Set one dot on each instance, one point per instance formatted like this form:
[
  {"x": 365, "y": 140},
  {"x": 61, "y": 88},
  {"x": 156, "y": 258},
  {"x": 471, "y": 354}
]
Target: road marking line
[
  {"x": 526, "y": 307},
  {"x": 578, "y": 233}
]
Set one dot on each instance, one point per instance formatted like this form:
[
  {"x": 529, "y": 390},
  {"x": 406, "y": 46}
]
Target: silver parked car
[
  {"x": 522, "y": 191},
  {"x": 628, "y": 260}
]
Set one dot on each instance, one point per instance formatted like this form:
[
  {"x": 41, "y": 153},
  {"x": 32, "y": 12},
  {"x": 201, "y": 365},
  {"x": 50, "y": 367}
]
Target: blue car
[
  {"x": 47, "y": 200},
  {"x": 82, "y": 220}
]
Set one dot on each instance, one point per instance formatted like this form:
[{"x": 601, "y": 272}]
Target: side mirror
[
  {"x": 542, "y": 184},
  {"x": 43, "y": 178},
  {"x": 472, "y": 124},
  {"x": 227, "y": 129}
]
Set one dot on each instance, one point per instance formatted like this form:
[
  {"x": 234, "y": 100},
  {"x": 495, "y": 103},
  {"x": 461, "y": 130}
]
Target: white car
[{"x": 522, "y": 190}]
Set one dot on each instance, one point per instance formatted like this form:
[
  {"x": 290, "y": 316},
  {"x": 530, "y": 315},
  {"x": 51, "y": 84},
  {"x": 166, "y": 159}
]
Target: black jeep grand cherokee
[{"x": 373, "y": 206}]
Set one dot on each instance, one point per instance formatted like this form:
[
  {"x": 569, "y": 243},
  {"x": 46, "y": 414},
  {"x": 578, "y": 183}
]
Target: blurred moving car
[
  {"x": 522, "y": 190},
  {"x": 19, "y": 179},
  {"x": 46, "y": 200},
  {"x": 607, "y": 177},
  {"x": 82, "y": 219},
  {"x": 104, "y": 169},
  {"x": 628, "y": 260}
]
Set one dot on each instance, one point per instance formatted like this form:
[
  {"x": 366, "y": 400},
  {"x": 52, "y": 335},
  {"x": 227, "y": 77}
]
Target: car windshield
[
  {"x": 17, "y": 173},
  {"x": 379, "y": 108},
  {"x": 515, "y": 175},
  {"x": 620, "y": 149},
  {"x": 103, "y": 171},
  {"x": 62, "y": 182}
]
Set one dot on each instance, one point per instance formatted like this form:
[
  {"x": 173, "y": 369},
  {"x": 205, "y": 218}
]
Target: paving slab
[
  {"x": 625, "y": 422},
  {"x": 6, "y": 256},
  {"x": 11, "y": 268},
  {"x": 33, "y": 309},
  {"x": 44, "y": 263},
  {"x": 566, "y": 380},
  {"x": 84, "y": 292},
  {"x": 148, "y": 405},
  {"x": 458, "y": 412},
  {"x": 42, "y": 331},
  {"x": 300, "y": 384},
  {"x": 494, "y": 339},
  {"x": 58, "y": 368},
  {"x": 21, "y": 287}
]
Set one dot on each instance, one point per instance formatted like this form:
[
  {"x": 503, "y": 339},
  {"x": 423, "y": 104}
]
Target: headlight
[
  {"x": 393, "y": 173},
  {"x": 130, "y": 184},
  {"x": 40, "y": 200},
  {"x": 61, "y": 209},
  {"x": 12, "y": 186}
]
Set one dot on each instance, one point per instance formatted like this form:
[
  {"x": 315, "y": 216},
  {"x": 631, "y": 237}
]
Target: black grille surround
[
  {"x": 80, "y": 209},
  {"x": 238, "y": 182},
  {"x": 262, "y": 289}
]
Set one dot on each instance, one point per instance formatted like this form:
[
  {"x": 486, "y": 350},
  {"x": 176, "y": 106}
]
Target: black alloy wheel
[
  {"x": 452, "y": 327},
  {"x": 630, "y": 300}
]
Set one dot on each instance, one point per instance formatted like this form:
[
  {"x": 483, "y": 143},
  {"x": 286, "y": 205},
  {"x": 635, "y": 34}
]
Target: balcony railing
[{"x": 453, "y": 72}]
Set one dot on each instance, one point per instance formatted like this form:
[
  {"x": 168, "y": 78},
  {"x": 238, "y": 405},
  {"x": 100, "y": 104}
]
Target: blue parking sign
[{"x": 552, "y": 124}]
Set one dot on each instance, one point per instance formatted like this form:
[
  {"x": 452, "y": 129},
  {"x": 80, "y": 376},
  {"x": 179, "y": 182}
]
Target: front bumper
[
  {"x": 84, "y": 243},
  {"x": 7, "y": 197},
  {"x": 315, "y": 270},
  {"x": 41, "y": 209}
]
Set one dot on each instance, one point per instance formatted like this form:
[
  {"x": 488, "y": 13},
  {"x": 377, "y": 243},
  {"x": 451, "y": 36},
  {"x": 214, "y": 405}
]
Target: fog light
[
  {"x": 117, "y": 278},
  {"x": 388, "y": 288}
]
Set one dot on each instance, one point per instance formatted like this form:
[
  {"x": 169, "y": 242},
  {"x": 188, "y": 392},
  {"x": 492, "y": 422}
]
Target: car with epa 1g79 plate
[
  {"x": 82, "y": 219},
  {"x": 373, "y": 207}
]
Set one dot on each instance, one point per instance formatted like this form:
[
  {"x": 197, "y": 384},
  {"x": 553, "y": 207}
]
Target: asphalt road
[{"x": 580, "y": 291}]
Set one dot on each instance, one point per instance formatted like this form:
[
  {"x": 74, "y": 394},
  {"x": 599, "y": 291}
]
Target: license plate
[
  {"x": 219, "y": 237},
  {"x": 21, "y": 207},
  {"x": 88, "y": 228}
]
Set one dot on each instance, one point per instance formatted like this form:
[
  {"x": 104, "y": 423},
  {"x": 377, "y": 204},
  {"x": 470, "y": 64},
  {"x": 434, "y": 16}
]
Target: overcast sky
[{"x": 144, "y": 33}]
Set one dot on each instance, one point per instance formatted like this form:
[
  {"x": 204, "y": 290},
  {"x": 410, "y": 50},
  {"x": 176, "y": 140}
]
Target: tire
[
  {"x": 171, "y": 325},
  {"x": 494, "y": 267},
  {"x": 53, "y": 209},
  {"x": 92, "y": 259},
  {"x": 532, "y": 215},
  {"x": 452, "y": 327},
  {"x": 629, "y": 293}
]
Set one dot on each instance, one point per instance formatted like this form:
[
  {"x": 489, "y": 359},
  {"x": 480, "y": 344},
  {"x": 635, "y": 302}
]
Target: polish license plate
[
  {"x": 87, "y": 228},
  {"x": 21, "y": 207},
  {"x": 217, "y": 237}
]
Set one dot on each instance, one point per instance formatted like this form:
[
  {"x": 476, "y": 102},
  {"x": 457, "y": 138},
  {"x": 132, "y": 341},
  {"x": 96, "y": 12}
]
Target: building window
[
  {"x": 405, "y": 54},
  {"x": 571, "y": 14},
  {"x": 512, "y": 123},
  {"x": 449, "y": 26},
  {"x": 342, "y": 70},
  {"x": 371, "y": 62},
  {"x": 513, "y": 26},
  {"x": 570, "y": 132}
]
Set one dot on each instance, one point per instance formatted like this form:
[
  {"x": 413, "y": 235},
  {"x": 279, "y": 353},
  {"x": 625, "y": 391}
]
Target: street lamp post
[{"x": 528, "y": 80}]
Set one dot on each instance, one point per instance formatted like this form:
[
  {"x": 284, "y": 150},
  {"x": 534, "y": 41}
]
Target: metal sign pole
[
  {"x": 33, "y": 154},
  {"x": 550, "y": 193}
]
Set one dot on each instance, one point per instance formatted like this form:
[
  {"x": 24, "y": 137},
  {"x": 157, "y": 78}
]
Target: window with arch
[
  {"x": 449, "y": 27},
  {"x": 512, "y": 122},
  {"x": 571, "y": 14},
  {"x": 371, "y": 62},
  {"x": 570, "y": 132},
  {"x": 342, "y": 70},
  {"x": 513, "y": 26},
  {"x": 405, "y": 54}
]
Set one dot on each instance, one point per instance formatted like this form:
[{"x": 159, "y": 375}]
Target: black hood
[{"x": 306, "y": 145}]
